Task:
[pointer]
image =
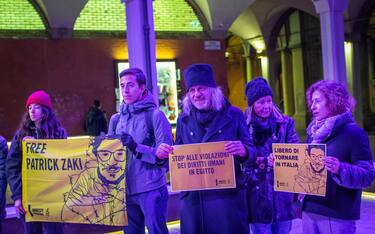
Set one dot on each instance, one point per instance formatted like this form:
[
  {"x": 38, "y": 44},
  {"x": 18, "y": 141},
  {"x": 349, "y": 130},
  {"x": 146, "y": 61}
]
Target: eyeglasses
[{"x": 105, "y": 155}]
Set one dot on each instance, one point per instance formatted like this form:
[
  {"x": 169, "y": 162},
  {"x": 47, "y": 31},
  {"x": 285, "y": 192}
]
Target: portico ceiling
[{"x": 251, "y": 20}]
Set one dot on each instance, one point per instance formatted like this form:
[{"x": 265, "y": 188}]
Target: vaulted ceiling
[{"x": 251, "y": 20}]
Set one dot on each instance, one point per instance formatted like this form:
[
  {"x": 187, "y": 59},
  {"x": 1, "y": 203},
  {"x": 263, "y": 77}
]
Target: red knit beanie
[{"x": 39, "y": 97}]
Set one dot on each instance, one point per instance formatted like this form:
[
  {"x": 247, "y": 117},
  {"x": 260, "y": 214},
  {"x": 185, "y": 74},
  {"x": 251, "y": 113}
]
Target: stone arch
[
  {"x": 294, "y": 48},
  {"x": 199, "y": 13},
  {"x": 242, "y": 65}
]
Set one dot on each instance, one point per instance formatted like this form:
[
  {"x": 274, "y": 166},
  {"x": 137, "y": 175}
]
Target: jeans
[
  {"x": 37, "y": 227},
  {"x": 282, "y": 227},
  {"x": 148, "y": 208},
  {"x": 320, "y": 224}
]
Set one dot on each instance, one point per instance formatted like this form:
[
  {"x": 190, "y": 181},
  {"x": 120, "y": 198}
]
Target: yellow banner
[
  {"x": 299, "y": 168},
  {"x": 201, "y": 166},
  {"x": 75, "y": 181}
]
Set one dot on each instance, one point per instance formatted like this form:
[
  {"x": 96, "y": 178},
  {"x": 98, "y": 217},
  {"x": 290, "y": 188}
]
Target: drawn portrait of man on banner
[
  {"x": 97, "y": 194},
  {"x": 311, "y": 177}
]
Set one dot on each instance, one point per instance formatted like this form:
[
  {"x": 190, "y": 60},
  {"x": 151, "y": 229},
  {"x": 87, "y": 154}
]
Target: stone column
[
  {"x": 332, "y": 32},
  {"x": 287, "y": 81},
  {"x": 246, "y": 53},
  {"x": 273, "y": 62},
  {"x": 140, "y": 37},
  {"x": 299, "y": 89}
]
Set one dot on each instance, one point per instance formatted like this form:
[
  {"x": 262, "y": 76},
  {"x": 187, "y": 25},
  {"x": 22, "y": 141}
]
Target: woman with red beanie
[{"x": 38, "y": 122}]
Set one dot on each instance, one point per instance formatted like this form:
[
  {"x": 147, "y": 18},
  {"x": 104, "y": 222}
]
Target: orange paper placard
[
  {"x": 299, "y": 168},
  {"x": 201, "y": 166}
]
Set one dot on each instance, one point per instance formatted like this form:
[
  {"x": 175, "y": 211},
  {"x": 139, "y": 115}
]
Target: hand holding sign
[
  {"x": 235, "y": 148},
  {"x": 19, "y": 207},
  {"x": 332, "y": 164},
  {"x": 163, "y": 151},
  {"x": 270, "y": 160}
]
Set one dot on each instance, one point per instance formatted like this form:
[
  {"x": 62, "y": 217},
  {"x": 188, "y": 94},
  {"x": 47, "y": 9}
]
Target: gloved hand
[{"x": 128, "y": 141}]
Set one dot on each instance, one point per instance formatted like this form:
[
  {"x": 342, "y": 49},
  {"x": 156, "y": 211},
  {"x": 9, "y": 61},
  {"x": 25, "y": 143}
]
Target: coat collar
[{"x": 220, "y": 121}]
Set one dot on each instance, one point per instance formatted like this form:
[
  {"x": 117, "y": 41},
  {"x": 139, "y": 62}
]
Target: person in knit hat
[
  {"x": 38, "y": 122},
  {"x": 199, "y": 74},
  {"x": 269, "y": 211},
  {"x": 208, "y": 117},
  {"x": 39, "y": 97},
  {"x": 256, "y": 89}
]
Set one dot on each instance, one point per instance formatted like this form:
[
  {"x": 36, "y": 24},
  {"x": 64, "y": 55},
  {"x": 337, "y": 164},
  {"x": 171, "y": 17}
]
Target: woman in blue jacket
[
  {"x": 269, "y": 211},
  {"x": 38, "y": 122},
  {"x": 349, "y": 160},
  {"x": 208, "y": 117}
]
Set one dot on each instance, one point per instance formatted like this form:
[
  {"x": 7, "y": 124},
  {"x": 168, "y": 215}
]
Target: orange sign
[
  {"x": 299, "y": 168},
  {"x": 201, "y": 166}
]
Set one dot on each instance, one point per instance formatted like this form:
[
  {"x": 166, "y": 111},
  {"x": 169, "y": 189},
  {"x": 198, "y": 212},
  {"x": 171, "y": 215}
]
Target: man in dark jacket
[
  {"x": 96, "y": 121},
  {"x": 3, "y": 178},
  {"x": 208, "y": 117},
  {"x": 147, "y": 156}
]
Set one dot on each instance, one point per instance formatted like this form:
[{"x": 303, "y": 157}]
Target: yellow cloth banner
[
  {"x": 75, "y": 181},
  {"x": 201, "y": 166},
  {"x": 299, "y": 168}
]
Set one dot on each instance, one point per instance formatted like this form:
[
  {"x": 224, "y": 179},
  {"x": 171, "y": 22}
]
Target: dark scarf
[
  {"x": 203, "y": 119},
  {"x": 262, "y": 129}
]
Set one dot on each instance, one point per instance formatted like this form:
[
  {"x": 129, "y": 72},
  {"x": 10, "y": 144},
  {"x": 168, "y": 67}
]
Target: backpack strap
[
  {"x": 150, "y": 139},
  {"x": 116, "y": 119},
  {"x": 149, "y": 115}
]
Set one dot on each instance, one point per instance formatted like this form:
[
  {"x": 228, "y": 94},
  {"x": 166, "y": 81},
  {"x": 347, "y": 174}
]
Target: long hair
[
  {"x": 339, "y": 100},
  {"x": 49, "y": 128},
  {"x": 217, "y": 100},
  {"x": 275, "y": 110}
]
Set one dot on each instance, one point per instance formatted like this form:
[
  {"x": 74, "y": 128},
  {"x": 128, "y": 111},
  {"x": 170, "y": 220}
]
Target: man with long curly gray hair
[{"x": 208, "y": 117}]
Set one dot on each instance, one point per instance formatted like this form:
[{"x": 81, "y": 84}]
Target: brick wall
[
  {"x": 19, "y": 15},
  {"x": 77, "y": 71},
  {"x": 109, "y": 15}
]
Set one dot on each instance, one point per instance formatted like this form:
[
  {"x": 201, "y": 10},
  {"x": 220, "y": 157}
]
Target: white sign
[{"x": 212, "y": 45}]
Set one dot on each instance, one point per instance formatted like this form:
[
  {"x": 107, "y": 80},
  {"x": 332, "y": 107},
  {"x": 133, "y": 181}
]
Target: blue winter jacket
[
  {"x": 216, "y": 211},
  {"x": 350, "y": 145},
  {"x": 145, "y": 172},
  {"x": 266, "y": 205},
  {"x": 3, "y": 178}
]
